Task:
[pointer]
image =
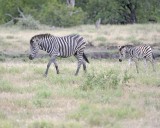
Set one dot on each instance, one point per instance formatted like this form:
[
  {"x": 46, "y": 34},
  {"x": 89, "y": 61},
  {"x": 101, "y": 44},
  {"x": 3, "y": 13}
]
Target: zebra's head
[
  {"x": 122, "y": 52},
  {"x": 34, "y": 47}
]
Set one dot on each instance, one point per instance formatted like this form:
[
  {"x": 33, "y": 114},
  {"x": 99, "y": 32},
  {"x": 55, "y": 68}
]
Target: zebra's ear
[{"x": 119, "y": 47}]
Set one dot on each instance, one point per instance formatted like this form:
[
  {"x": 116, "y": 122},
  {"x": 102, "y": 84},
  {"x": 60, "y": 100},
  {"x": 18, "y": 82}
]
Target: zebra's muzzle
[
  {"x": 120, "y": 60},
  {"x": 30, "y": 57}
]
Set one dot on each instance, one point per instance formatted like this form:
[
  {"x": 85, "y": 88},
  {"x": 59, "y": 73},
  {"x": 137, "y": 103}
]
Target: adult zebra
[
  {"x": 136, "y": 53},
  {"x": 59, "y": 47}
]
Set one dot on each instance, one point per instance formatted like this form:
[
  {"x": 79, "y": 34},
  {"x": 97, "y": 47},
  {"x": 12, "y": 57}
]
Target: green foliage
[
  {"x": 61, "y": 15},
  {"x": 105, "y": 80},
  {"x": 28, "y": 23},
  {"x": 148, "y": 11},
  {"x": 127, "y": 77},
  {"x": 100, "y": 9},
  {"x": 102, "y": 80},
  {"x": 57, "y": 13}
]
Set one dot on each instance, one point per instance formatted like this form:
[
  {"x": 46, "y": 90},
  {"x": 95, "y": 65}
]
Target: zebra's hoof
[{"x": 120, "y": 60}]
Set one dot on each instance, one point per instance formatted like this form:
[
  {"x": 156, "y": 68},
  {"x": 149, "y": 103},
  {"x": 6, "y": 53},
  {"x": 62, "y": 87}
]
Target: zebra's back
[
  {"x": 69, "y": 45},
  {"x": 142, "y": 51}
]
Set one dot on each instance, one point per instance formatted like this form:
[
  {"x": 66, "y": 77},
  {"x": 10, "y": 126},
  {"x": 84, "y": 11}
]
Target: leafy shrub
[
  {"x": 28, "y": 23},
  {"x": 127, "y": 77},
  {"x": 109, "y": 79},
  {"x": 61, "y": 15},
  {"x": 102, "y": 80}
]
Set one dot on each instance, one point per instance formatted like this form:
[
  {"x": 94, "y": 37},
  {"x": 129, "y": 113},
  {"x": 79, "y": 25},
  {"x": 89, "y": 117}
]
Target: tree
[
  {"x": 70, "y": 3},
  {"x": 127, "y": 10},
  {"x": 61, "y": 15}
]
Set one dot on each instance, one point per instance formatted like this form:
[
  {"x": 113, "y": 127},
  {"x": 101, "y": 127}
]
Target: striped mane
[{"x": 40, "y": 36}]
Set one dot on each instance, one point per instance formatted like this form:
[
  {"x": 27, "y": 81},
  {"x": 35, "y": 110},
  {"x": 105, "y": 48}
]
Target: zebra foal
[
  {"x": 59, "y": 47},
  {"x": 136, "y": 53}
]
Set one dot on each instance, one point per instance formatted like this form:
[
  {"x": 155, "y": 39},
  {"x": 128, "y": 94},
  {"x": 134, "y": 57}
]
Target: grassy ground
[{"x": 107, "y": 96}]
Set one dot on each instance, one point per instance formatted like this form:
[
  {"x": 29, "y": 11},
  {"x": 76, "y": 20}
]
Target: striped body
[
  {"x": 136, "y": 53},
  {"x": 62, "y": 46},
  {"x": 59, "y": 47}
]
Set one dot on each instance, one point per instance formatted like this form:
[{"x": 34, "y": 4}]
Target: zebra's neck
[
  {"x": 44, "y": 45},
  {"x": 129, "y": 51},
  {"x": 47, "y": 45}
]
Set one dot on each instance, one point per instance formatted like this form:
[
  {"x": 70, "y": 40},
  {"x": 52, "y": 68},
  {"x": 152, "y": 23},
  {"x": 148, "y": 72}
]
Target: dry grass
[
  {"x": 107, "y": 35},
  {"x": 28, "y": 100},
  {"x": 59, "y": 99}
]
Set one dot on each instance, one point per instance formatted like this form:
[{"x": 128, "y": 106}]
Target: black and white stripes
[
  {"x": 136, "y": 53},
  {"x": 59, "y": 47}
]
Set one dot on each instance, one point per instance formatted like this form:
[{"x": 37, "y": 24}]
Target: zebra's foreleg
[
  {"x": 145, "y": 64},
  {"x": 48, "y": 65},
  {"x": 136, "y": 63},
  {"x": 52, "y": 60}
]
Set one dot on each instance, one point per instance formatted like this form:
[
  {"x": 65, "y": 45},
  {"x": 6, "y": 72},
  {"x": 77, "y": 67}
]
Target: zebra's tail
[
  {"x": 153, "y": 56},
  {"x": 85, "y": 58}
]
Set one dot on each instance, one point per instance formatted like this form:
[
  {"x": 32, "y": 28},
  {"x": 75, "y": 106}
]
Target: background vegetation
[{"x": 59, "y": 13}]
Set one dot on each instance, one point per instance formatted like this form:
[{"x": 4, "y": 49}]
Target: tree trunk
[
  {"x": 97, "y": 24},
  {"x": 70, "y": 3},
  {"x": 132, "y": 8},
  {"x": 129, "y": 11}
]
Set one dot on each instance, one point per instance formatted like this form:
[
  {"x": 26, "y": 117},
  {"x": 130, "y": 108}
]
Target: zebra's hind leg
[
  {"x": 84, "y": 66},
  {"x": 79, "y": 65},
  {"x": 153, "y": 64},
  {"x": 80, "y": 61},
  {"x": 145, "y": 65}
]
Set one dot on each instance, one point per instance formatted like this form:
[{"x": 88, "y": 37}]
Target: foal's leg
[
  {"x": 136, "y": 63},
  {"x": 153, "y": 64}
]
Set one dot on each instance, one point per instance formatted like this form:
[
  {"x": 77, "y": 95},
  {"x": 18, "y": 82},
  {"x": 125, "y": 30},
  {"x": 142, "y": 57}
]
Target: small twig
[{"x": 21, "y": 13}]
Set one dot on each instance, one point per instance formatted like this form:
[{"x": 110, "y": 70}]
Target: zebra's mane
[{"x": 42, "y": 35}]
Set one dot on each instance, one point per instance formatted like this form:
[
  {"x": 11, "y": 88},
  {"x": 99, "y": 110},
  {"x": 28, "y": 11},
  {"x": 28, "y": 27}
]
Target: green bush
[
  {"x": 61, "y": 15},
  {"x": 28, "y": 23},
  {"x": 102, "y": 80}
]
